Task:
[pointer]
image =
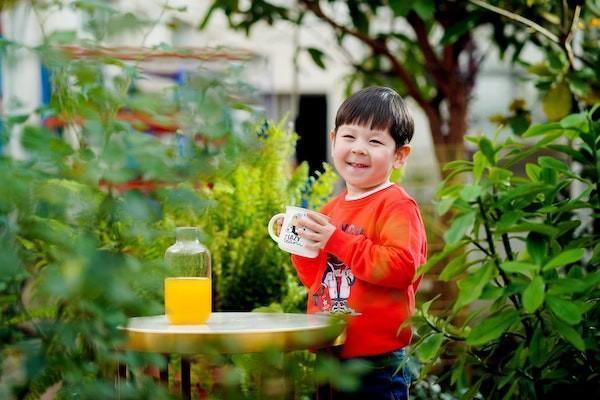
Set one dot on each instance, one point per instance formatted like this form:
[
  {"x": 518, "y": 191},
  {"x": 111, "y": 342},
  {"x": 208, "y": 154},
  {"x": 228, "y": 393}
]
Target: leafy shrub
[
  {"x": 524, "y": 255},
  {"x": 249, "y": 270}
]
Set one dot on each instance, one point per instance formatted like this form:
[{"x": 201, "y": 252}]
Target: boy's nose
[{"x": 358, "y": 148}]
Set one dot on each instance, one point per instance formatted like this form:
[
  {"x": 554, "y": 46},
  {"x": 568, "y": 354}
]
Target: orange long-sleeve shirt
[{"x": 368, "y": 266}]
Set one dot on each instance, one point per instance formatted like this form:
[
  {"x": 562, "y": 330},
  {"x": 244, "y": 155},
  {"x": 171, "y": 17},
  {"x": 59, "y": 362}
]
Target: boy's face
[{"x": 365, "y": 158}]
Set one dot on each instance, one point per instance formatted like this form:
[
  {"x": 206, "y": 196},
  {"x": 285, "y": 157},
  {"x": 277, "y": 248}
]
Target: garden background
[{"x": 127, "y": 139}]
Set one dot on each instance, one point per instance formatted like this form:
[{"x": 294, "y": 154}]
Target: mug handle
[{"x": 270, "y": 226}]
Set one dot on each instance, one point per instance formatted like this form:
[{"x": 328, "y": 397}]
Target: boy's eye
[
  {"x": 348, "y": 136},
  {"x": 376, "y": 141}
]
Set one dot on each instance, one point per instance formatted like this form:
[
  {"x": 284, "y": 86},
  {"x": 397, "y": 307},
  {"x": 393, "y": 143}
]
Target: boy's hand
[{"x": 318, "y": 232}]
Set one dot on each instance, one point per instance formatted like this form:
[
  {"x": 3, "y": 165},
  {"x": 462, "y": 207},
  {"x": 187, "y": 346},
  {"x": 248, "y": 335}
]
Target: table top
[{"x": 236, "y": 332}]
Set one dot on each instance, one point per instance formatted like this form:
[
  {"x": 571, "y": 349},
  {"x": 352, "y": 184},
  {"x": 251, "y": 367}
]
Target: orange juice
[{"x": 188, "y": 300}]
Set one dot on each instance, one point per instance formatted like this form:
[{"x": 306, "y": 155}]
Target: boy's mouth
[{"x": 357, "y": 165}]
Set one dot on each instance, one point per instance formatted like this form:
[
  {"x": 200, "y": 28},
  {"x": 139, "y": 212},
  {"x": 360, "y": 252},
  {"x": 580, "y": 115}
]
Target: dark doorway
[{"x": 311, "y": 125}]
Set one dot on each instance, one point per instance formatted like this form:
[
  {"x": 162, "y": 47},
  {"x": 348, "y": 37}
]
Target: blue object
[
  {"x": 46, "y": 76},
  {"x": 388, "y": 377}
]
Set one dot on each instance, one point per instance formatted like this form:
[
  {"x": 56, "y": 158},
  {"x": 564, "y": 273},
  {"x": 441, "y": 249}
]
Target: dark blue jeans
[{"x": 388, "y": 378}]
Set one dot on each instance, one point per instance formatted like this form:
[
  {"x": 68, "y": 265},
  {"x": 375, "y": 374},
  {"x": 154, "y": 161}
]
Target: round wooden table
[{"x": 232, "y": 332}]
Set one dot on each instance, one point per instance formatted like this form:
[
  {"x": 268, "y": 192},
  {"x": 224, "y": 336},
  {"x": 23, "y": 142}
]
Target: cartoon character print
[{"x": 334, "y": 291}]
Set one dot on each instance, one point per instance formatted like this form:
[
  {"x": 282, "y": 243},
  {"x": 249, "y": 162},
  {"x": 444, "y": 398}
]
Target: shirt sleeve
[
  {"x": 307, "y": 268},
  {"x": 392, "y": 257}
]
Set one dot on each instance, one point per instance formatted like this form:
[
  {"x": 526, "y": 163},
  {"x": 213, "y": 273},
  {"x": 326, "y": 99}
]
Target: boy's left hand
[{"x": 319, "y": 230}]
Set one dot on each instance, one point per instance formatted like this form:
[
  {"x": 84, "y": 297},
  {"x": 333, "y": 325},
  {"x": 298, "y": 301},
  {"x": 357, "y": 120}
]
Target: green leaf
[
  {"x": 17, "y": 119},
  {"x": 429, "y": 347},
  {"x": 537, "y": 247},
  {"x": 564, "y": 309},
  {"x": 425, "y": 306},
  {"x": 500, "y": 175},
  {"x": 567, "y": 286},
  {"x": 519, "y": 267},
  {"x": 454, "y": 268},
  {"x": 569, "y": 334},
  {"x": 564, "y": 258},
  {"x": 471, "y": 287},
  {"x": 541, "y": 129},
  {"x": 533, "y": 171},
  {"x": 317, "y": 56},
  {"x": 459, "y": 227},
  {"x": 492, "y": 328},
  {"x": 442, "y": 206},
  {"x": 401, "y": 7},
  {"x": 487, "y": 148},
  {"x": 553, "y": 163},
  {"x": 557, "y": 102},
  {"x": 436, "y": 258},
  {"x": 530, "y": 227},
  {"x": 459, "y": 28},
  {"x": 519, "y": 124},
  {"x": 575, "y": 121},
  {"x": 533, "y": 296},
  {"x": 424, "y": 8},
  {"x": 479, "y": 164},
  {"x": 471, "y": 192},
  {"x": 538, "y": 353}
]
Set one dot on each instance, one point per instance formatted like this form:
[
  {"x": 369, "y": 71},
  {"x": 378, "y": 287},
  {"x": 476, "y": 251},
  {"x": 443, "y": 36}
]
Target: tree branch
[
  {"x": 569, "y": 37},
  {"x": 515, "y": 17},
  {"x": 378, "y": 47},
  {"x": 435, "y": 66}
]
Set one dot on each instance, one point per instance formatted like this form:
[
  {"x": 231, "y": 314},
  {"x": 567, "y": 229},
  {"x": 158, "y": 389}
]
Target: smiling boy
[{"x": 371, "y": 241}]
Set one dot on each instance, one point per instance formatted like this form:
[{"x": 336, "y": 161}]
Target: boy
[{"x": 371, "y": 241}]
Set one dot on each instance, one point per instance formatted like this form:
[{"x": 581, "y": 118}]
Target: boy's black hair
[{"x": 379, "y": 108}]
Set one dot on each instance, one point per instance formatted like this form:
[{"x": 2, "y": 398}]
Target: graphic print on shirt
[{"x": 334, "y": 291}]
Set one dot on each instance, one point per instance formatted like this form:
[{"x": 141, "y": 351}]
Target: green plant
[
  {"x": 75, "y": 260},
  {"x": 525, "y": 257},
  {"x": 249, "y": 270}
]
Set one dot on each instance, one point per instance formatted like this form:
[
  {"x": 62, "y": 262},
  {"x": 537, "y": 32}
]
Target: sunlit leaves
[
  {"x": 430, "y": 346},
  {"x": 565, "y": 310},
  {"x": 527, "y": 275},
  {"x": 533, "y": 295},
  {"x": 472, "y": 285},
  {"x": 564, "y": 258},
  {"x": 459, "y": 227},
  {"x": 492, "y": 327}
]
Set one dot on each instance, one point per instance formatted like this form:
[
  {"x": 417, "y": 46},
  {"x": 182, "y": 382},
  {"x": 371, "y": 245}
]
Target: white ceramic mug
[{"x": 288, "y": 239}]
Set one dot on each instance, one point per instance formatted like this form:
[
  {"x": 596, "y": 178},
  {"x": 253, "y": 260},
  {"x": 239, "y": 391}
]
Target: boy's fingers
[
  {"x": 319, "y": 218},
  {"x": 310, "y": 235},
  {"x": 310, "y": 224}
]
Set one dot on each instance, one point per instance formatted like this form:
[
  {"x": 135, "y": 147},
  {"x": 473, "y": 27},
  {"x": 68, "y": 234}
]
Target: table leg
[
  {"x": 164, "y": 372},
  {"x": 122, "y": 371},
  {"x": 186, "y": 387}
]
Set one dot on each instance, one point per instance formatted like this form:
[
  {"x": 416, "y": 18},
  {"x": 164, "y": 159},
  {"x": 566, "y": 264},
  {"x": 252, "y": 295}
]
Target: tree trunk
[{"x": 448, "y": 136}]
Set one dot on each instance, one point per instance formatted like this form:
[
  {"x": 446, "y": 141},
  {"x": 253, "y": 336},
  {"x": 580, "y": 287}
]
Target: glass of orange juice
[{"x": 188, "y": 289}]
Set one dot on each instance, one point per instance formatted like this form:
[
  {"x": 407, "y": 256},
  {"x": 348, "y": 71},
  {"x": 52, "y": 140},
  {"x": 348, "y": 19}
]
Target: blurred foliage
[
  {"x": 249, "y": 270},
  {"x": 566, "y": 35},
  {"x": 87, "y": 213},
  {"x": 428, "y": 50},
  {"x": 525, "y": 256}
]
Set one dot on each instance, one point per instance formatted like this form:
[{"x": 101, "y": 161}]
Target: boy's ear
[
  {"x": 401, "y": 155},
  {"x": 332, "y": 139}
]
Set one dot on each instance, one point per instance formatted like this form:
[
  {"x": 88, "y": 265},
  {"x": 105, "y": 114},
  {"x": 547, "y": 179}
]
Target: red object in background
[
  {"x": 145, "y": 186},
  {"x": 139, "y": 120}
]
